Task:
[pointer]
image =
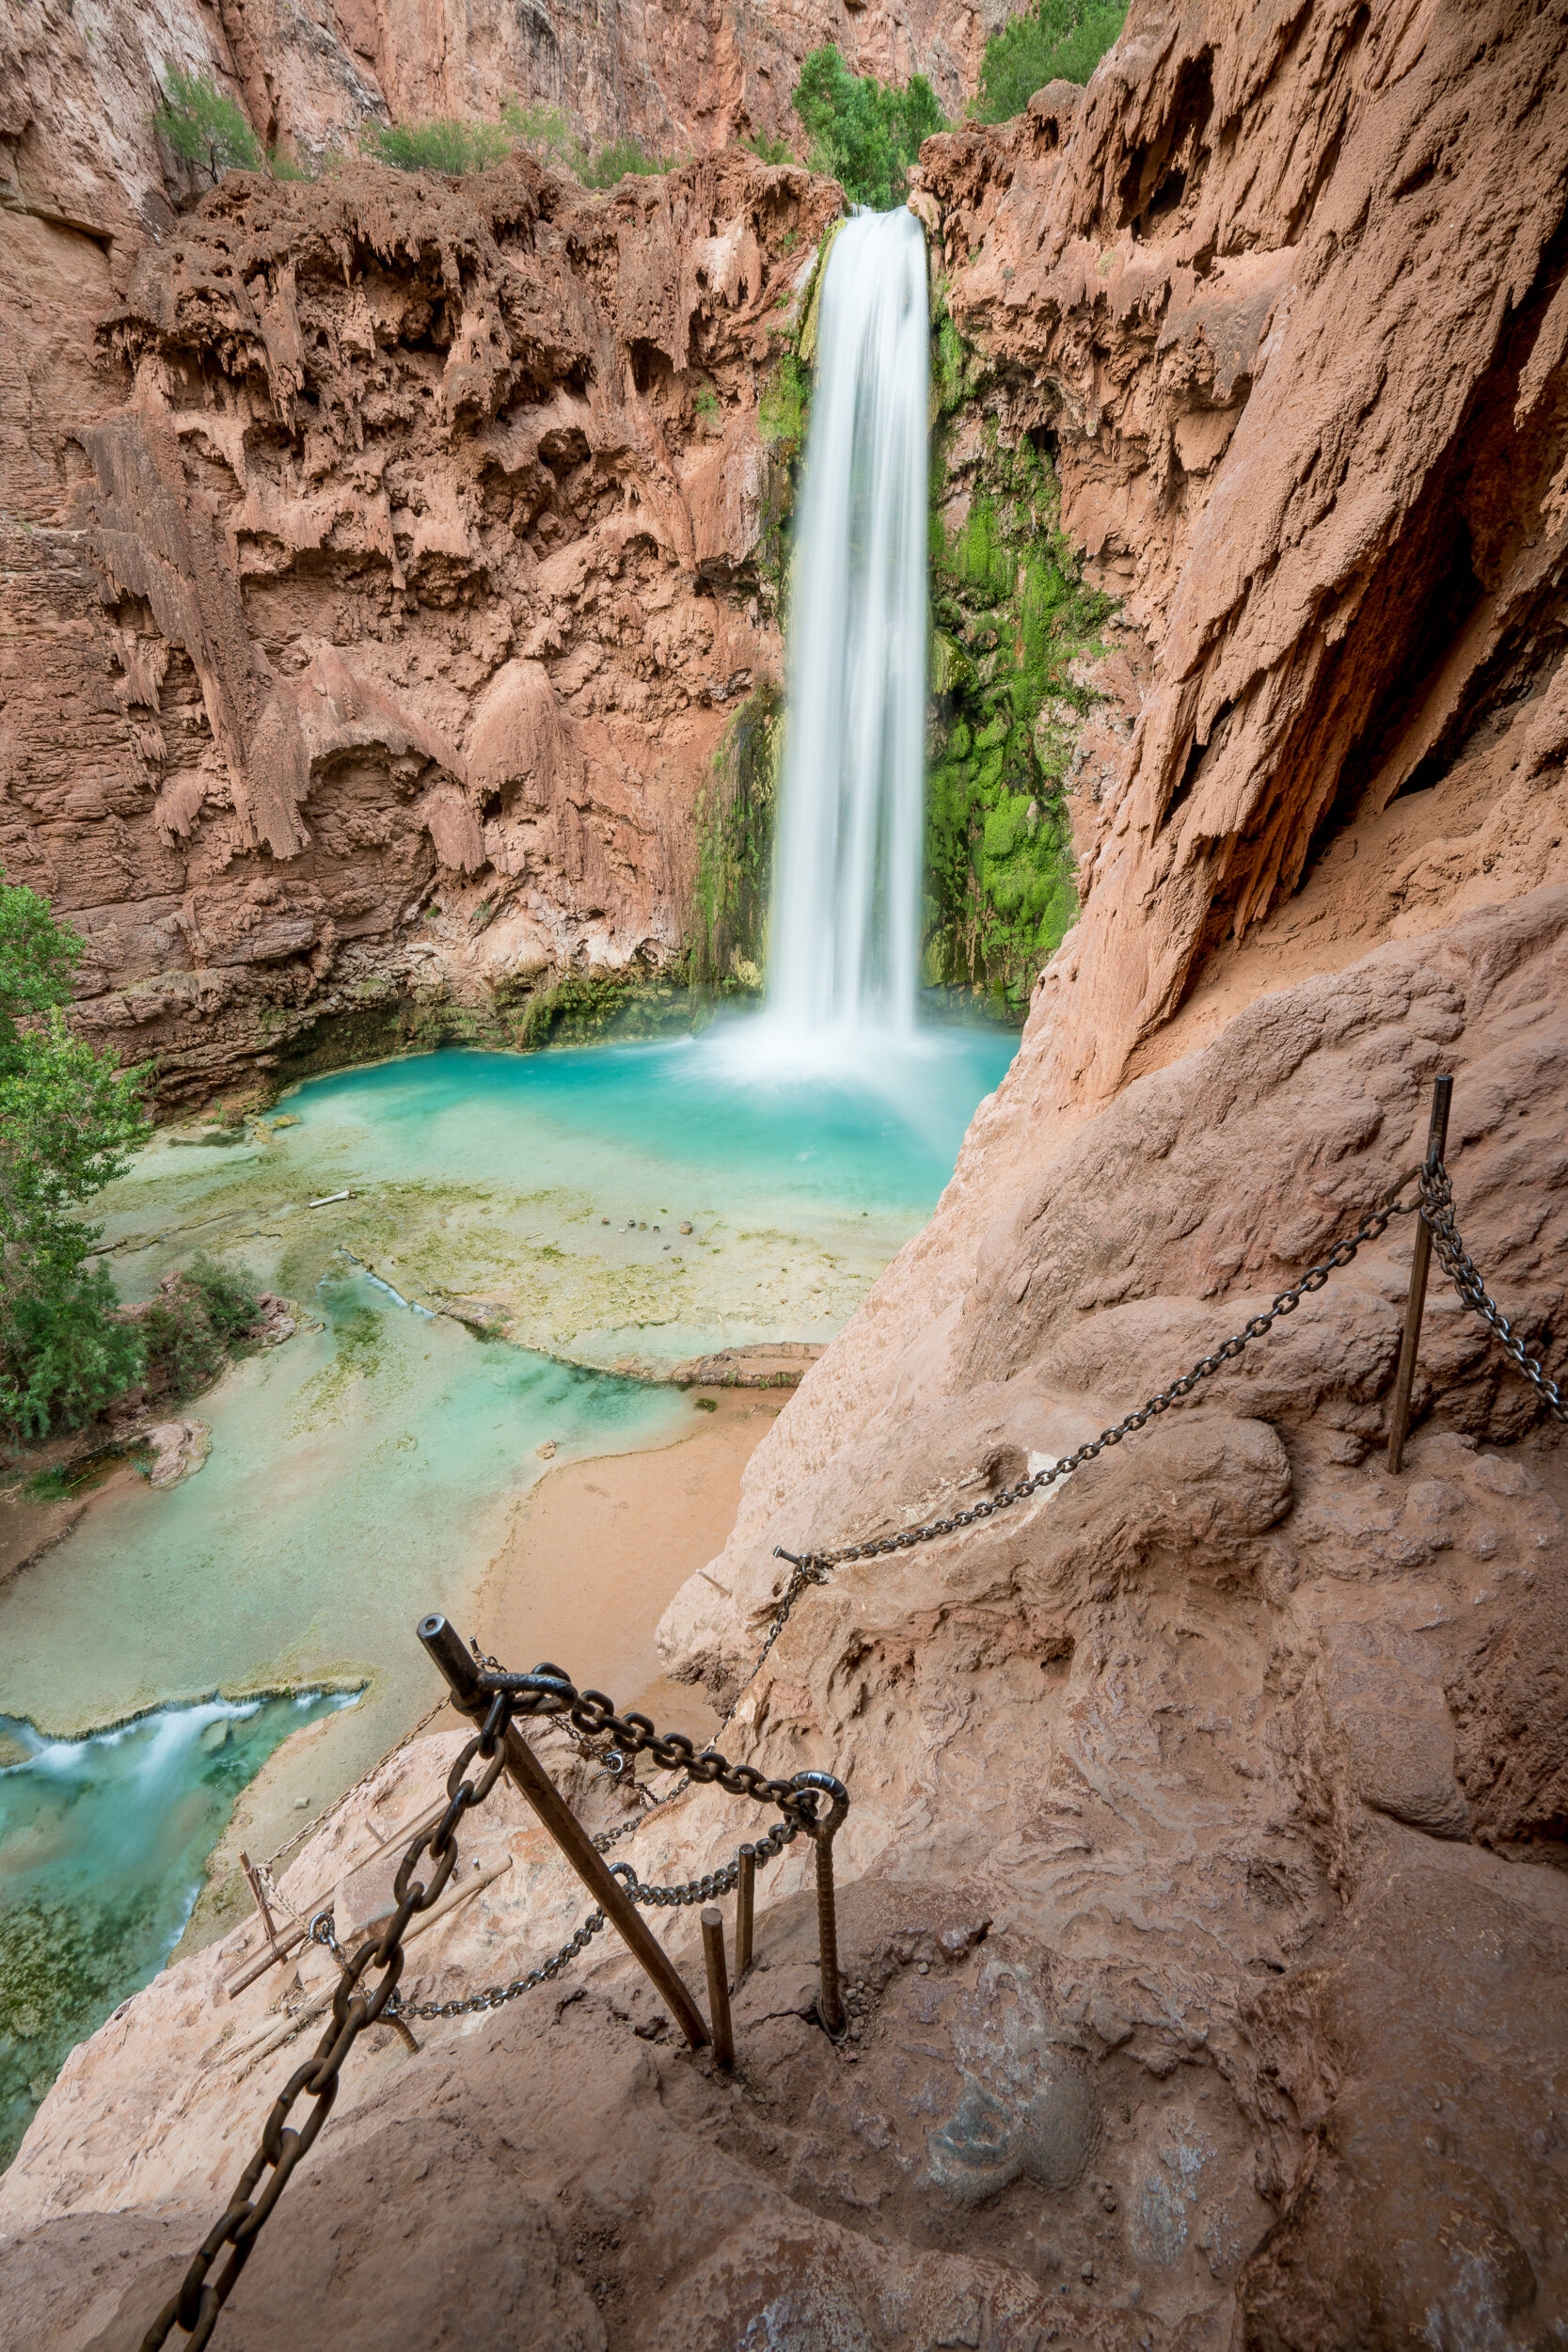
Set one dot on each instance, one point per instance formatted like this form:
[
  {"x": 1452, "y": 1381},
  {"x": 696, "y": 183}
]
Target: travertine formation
[
  {"x": 376, "y": 613},
  {"x": 1204, "y": 1904},
  {"x": 1297, "y": 335}
]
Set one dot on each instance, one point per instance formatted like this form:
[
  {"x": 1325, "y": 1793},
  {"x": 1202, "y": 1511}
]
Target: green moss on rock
[
  {"x": 734, "y": 814},
  {"x": 1009, "y": 612}
]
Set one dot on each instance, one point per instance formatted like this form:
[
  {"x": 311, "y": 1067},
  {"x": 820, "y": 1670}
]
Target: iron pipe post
[
  {"x": 1420, "y": 1262},
  {"x": 745, "y": 1904},
  {"x": 447, "y": 1650},
  {"x": 718, "y": 1984}
]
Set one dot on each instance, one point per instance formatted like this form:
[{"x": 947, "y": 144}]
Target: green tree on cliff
[
  {"x": 861, "y": 132},
  {"x": 203, "y": 127},
  {"x": 68, "y": 1121},
  {"x": 1055, "y": 41}
]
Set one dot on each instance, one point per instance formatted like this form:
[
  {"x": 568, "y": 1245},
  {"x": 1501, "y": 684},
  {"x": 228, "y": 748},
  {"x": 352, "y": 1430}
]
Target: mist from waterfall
[{"x": 844, "y": 933}]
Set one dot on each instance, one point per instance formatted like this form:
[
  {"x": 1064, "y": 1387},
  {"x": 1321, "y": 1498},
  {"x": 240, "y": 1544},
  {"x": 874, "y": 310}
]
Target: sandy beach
[{"x": 646, "y": 1520}]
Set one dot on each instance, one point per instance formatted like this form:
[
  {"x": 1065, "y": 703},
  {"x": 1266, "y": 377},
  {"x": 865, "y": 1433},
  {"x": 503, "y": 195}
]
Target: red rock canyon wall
[{"x": 379, "y": 592}]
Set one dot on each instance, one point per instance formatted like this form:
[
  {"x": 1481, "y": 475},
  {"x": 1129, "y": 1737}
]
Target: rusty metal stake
[
  {"x": 829, "y": 2003},
  {"x": 450, "y": 1654},
  {"x": 718, "y": 1984},
  {"x": 254, "y": 1877},
  {"x": 1420, "y": 1259},
  {"x": 745, "y": 1902}
]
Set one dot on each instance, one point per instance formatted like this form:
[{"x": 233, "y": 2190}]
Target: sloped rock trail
[{"x": 1198, "y": 1891}]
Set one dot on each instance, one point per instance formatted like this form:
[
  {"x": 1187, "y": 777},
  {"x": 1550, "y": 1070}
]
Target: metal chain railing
[
  {"x": 195, "y": 2306},
  {"x": 548, "y": 1692},
  {"x": 1456, "y": 1262},
  {"x": 1285, "y": 1304},
  {"x": 608, "y": 1838},
  {"x": 703, "y": 1890},
  {"x": 1434, "y": 1203}
]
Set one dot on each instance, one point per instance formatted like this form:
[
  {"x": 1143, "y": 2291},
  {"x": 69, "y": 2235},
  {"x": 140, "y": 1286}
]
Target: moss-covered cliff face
[
  {"x": 735, "y": 813},
  {"x": 1009, "y": 615}
]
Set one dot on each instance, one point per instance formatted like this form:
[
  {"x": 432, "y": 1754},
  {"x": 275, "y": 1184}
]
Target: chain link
[
  {"x": 703, "y": 1890},
  {"x": 197, "y": 2301},
  {"x": 1285, "y": 1304},
  {"x": 547, "y": 1693},
  {"x": 495, "y": 1996},
  {"x": 1456, "y": 1262},
  {"x": 616, "y": 1725}
]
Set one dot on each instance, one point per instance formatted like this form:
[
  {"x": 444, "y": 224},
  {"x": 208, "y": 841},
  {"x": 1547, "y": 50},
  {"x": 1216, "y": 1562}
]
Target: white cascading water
[{"x": 845, "y": 924}]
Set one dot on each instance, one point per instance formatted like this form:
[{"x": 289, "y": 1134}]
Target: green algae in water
[
  {"x": 103, "y": 1847},
  {"x": 359, "y": 1476}
]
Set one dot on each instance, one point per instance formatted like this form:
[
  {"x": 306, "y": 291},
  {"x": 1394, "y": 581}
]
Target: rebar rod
[
  {"x": 718, "y": 1984},
  {"x": 1414, "y": 1303},
  {"x": 745, "y": 1905},
  {"x": 451, "y": 1654}
]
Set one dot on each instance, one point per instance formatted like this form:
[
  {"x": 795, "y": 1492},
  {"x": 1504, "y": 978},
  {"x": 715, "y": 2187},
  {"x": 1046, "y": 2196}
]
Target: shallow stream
[
  {"x": 104, "y": 1845},
  {"x": 368, "y": 1469}
]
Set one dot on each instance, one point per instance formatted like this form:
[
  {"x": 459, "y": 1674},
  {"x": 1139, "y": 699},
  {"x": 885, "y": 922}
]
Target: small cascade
[{"x": 844, "y": 923}]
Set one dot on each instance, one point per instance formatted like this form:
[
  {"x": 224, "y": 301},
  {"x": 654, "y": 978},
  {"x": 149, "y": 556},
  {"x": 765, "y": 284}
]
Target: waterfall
[{"x": 845, "y": 922}]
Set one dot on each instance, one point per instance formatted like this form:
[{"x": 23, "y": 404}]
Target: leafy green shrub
[
  {"x": 228, "y": 1301},
  {"x": 68, "y": 1121},
  {"x": 1055, "y": 41},
  {"x": 545, "y": 131},
  {"x": 38, "y": 960},
  {"x": 67, "y": 1354},
  {"x": 191, "y": 1325},
  {"x": 456, "y": 148},
  {"x": 203, "y": 127},
  {"x": 610, "y": 165},
  {"x": 444, "y": 146},
  {"x": 770, "y": 150},
  {"x": 861, "y": 132}
]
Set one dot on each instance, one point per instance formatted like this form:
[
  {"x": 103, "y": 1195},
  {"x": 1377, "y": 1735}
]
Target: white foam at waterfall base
[
  {"x": 845, "y": 922},
  {"x": 103, "y": 1847}
]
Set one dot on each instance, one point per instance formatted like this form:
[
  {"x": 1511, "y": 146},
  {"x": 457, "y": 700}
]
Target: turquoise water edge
[
  {"x": 104, "y": 1845},
  {"x": 620, "y": 1209}
]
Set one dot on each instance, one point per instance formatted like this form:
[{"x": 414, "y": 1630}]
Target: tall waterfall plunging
[{"x": 844, "y": 923}]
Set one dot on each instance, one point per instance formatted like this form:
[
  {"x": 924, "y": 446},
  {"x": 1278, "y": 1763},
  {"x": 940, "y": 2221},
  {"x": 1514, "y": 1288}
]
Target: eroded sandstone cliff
[
  {"x": 378, "y": 600},
  {"x": 78, "y": 84},
  {"x": 1295, "y": 332}
]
